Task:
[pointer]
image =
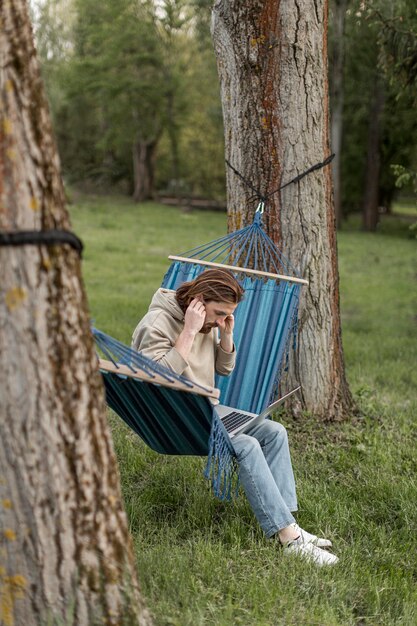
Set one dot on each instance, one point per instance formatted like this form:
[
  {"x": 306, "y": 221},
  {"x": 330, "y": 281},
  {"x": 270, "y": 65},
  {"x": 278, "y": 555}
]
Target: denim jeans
[{"x": 266, "y": 475}]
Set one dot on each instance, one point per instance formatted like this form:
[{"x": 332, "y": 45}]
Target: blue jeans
[{"x": 265, "y": 472}]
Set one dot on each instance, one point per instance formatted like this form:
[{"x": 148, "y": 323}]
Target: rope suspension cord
[
  {"x": 264, "y": 197},
  {"x": 39, "y": 237}
]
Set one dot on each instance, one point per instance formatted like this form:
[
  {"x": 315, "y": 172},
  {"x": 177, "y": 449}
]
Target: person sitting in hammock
[{"x": 190, "y": 331}]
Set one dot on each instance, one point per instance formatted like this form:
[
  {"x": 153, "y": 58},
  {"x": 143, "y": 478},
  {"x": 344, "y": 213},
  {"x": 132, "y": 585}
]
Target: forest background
[{"x": 134, "y": 94}]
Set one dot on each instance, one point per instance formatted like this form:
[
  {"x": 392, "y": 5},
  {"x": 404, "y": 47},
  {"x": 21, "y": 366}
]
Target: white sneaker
[
  {"x": 309, "y": 552},
  {"x": 309, "y": 538}
]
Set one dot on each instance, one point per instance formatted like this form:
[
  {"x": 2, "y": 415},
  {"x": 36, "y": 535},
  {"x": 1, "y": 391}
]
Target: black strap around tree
[
  {"x": 264, "y": 197},
  {"x": 41, "y": 237}
]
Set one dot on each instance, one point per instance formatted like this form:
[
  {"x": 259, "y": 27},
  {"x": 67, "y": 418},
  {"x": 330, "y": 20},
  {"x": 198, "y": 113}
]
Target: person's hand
[
  {"x": 195, "y": 316},
  {"x": 226, "y": 325}
]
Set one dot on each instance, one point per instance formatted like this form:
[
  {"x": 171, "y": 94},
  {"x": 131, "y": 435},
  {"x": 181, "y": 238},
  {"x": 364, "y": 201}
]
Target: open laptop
[{"x": 236, "y": 421}]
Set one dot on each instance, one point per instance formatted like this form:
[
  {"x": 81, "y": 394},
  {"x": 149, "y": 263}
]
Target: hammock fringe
[{"x": 221, "y": 468}]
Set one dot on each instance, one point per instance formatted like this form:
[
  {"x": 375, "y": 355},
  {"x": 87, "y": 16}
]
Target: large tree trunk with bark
[
  {"x": 272, "y": 63},
  {"x": 65, "y": 552},
  {"x": 370, "y": 214},
  {"x": 337, "y": 99}
]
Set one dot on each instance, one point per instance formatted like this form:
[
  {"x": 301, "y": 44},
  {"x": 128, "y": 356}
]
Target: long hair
[{"x": 216, "y": 285}]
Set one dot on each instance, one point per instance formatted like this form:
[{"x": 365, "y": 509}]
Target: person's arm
[
  {"x": 155, "y": 344},
  {"x": 226, "y": 327},
  {"x": 226, "y": 353},
  {"x": 193, "y": 323}
]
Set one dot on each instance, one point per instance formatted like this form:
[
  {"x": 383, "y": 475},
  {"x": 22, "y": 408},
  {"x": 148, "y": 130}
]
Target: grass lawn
[
  {"x": 405, "y": 206},
  {"x": 203, "y": 562}
]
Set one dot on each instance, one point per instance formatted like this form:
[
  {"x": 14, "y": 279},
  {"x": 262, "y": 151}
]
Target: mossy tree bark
[
  {"x": 65, "y": 551},
  {"x": 272, "y": 64}
]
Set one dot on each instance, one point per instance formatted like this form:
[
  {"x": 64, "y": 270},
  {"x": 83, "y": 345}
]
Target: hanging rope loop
[{"x": 262, "y": 197}]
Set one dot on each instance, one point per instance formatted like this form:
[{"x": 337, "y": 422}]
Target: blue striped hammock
[{"x": 172, "y": 414}]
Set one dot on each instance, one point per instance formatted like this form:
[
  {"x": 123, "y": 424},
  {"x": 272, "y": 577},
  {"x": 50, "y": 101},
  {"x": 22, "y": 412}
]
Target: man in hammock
[{"x": 190, "y": 331}]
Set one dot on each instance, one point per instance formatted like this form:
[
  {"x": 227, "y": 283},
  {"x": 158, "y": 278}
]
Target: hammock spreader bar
[
  {"x": 239, "y": 270},
  {"x": 185, "y": 385}
]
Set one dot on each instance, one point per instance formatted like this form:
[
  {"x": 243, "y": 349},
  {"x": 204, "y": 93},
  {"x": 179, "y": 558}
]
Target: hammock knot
[{"x": 257, "y": 220}]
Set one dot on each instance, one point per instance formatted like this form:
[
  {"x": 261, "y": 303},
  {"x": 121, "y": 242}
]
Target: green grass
[
  {"x": 126, "y": 250},
  {"x": 406, "y": 206},
  {"x": 203, "y": 562}
]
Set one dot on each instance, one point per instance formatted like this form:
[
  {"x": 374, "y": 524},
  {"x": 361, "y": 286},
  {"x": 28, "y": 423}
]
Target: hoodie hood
[{"x": 165, "y": 300}]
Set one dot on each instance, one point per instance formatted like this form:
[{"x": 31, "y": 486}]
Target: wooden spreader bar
[
  {"x": 243, "y": 270},
  {"x": 156, "y": 379}
]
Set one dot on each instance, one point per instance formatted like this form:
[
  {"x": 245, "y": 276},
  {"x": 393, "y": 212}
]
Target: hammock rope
[
  {"x": 264, "y": 197},
  {"x": 248, "y": 247}
]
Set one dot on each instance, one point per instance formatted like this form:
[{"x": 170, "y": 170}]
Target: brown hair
[{"x": 218, "y": 285}]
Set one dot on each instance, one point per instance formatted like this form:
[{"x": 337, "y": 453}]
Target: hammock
[{"x": 172, "y": 414}]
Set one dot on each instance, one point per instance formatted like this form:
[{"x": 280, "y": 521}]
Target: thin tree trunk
[
  {"x": 144, "y": 153},
  {"x": 272, "y": 63},
  {"x": 337, "y": 98},
  {"x": 373, "y": 161},
  {"x": 65, "y": 552},
  {"x": 173, "y": 139}
]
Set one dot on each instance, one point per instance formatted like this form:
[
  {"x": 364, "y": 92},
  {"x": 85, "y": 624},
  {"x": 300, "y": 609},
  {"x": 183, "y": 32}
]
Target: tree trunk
[
  {"x": 272, "y": 63},
  {"x": 173, "y": 140},
  {"x": 65, "y": 551},
  {"x": 370, "y": 214},
  {"x": 144, "y": 153},
  {"x": 336, "y": 100}
]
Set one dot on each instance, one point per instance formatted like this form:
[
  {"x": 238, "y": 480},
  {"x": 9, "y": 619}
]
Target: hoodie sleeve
[
  {"x": 225, "y": 361},
  {"x": 157, "y": 346}
]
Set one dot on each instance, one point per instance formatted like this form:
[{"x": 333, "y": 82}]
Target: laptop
[{"x": 236, "y": 421}]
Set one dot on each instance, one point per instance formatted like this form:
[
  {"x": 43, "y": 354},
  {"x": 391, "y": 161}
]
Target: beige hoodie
[{"x": 158, "y": 331}]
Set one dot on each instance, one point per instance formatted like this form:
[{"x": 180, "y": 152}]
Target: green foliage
[
  {"x": 128, "y": 71},
  {"x": 118, "y": 71},
  {"x": 190, "y": 158},
  {"x": 404, "y": 177},
  {"x": 367, "y": 62},
  {"x": 397, "y": 37},
  {"x": 203, "y": 562},
  {"x": 117, "y": 66}
]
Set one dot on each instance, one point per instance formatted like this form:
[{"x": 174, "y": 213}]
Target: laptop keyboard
[{"x": 234, "y": 420}]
